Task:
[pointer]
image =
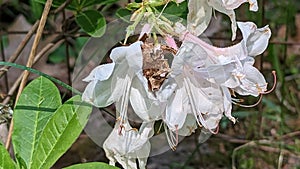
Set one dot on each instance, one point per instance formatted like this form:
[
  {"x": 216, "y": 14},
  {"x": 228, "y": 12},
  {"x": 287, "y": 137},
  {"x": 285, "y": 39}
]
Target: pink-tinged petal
[
  {"x": 145, "y": 30},
  {"x": 171, "y": 42},
  {"x": 102, "y": 72},
  {"x": 179, "y": 1}
]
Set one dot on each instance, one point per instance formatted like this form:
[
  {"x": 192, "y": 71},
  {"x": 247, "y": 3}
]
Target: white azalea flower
[
  {"x": 200, "y": 12},
  {"x": 232, "y": 66},
  {"x": 204, "y": 99},
  {"x": 110, "y": 83},
  {"x": 123, "y": 81},
  {"x": 127, "y": 145}
]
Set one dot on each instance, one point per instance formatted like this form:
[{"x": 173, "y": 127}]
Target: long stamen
[
  {"x": 176, "y": 143},
  {"x": 248, "y": 106},
  {"x": 217, "y": 130},
  {"x": 237, "y": 100},
  {"x": 169, "y": 136},
  {"x": 274, "y": 84}
]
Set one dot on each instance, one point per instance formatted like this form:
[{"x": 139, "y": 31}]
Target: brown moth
[{"x": 155, "y": 66}]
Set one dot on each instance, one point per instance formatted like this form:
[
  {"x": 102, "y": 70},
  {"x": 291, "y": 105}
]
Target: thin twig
[
  {"x": 20, "y": 48},
  {"x": 30, "y": 60},
  {"x": 289, "y": 135},
  {"x": 231, "y": 139}
]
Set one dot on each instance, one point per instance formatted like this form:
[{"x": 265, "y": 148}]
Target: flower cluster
[{"x": 192, "y": 89}]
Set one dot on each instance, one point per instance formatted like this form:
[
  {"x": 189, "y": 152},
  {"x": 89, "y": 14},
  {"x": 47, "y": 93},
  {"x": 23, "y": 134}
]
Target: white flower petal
[
  {"x": 253, "y": 83},
  {"x": 120, "y": 95},
  {"x": 97, "y": 93},
  {"x": 189, "y": 126},
  {"x": 102, "y": 72},
  {"x": 256, "y": 40},
  {"x": 166, "y": 90},
  {"x": 127, "y": 145},
  {"x": 175, "y": 115},
  {"x": 227, "y": 104},
  {"x": 132, "y": 54},
  {"x": 198, "y": 17},
  {"x": 233, "y": 4},
  {"x": 146, "y": 109}
]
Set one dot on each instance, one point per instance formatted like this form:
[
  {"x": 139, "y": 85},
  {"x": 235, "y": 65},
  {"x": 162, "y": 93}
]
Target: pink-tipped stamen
[
  {"x": 274, "y": 85},
  {"x": 249, "y": 106}
]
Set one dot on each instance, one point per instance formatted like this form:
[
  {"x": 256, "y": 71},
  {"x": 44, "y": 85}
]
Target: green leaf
[
  {"x": 92, "y": 22},
  {"x": 61, "y": 131},
  {"x": 36, "y": 8},
  {"x": 5, "y": 161},
  {"x": 178, "y": 10},
  {"x": 36, "y": 105},
  {"x": 124, "y": 14},
  {"x": 92, "y": 165}
]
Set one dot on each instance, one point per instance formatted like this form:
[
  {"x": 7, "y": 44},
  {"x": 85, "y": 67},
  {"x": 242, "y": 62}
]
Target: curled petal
[
  {"x": 132, "y": 54},
  {"x": 145, "y": 30},
  {"x": 253, "y": 83},
  {"x": 171, "y": 42},
  {"x": 256, "y": 40},
  {"x": 233, "y": 4}
]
